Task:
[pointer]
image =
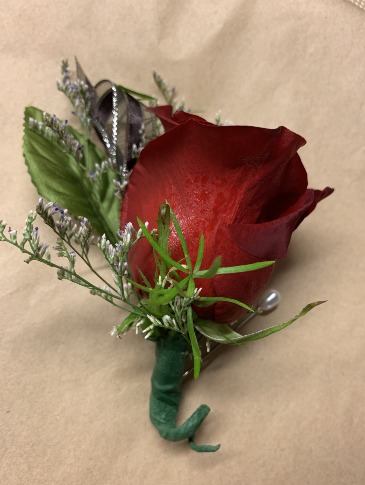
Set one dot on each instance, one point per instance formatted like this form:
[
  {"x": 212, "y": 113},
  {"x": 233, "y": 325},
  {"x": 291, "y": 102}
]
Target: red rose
[{"x": 244, "y": 188}]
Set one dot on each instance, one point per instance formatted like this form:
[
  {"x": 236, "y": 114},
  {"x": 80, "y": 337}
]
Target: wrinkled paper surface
[{"x": 287, "y": 409}]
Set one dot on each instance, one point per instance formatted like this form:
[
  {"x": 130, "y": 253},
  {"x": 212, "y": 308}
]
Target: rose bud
[{"x": 244, "y": 188}]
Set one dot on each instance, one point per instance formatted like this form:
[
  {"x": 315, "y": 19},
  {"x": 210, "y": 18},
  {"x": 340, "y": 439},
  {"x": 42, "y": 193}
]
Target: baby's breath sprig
[{"x": 117, "y": 257}]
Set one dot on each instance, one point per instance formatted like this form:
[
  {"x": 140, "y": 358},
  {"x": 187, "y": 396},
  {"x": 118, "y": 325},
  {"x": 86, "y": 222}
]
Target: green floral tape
[{"x": 166, "y": 394}]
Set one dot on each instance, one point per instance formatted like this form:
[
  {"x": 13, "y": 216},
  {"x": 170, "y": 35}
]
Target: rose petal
[
  {"x": 170, "y": 120},
  {"x": 244, "y": 188},
  {"x": 270, "y": 240},
  {"x": 211, "y": 175}
]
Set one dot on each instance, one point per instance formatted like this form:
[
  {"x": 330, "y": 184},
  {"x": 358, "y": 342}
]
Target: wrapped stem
[{"x": 166, "y": 393}]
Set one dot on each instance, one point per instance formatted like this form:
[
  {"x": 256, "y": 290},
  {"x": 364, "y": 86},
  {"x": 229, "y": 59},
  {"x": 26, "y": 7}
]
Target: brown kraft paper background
[{"x": 288, "y": 409}]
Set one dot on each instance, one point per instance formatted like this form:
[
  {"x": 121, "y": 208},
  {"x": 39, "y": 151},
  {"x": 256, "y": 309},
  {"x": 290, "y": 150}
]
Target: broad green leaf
[
  {"x": 223, "y": 334},
  {"x": 210, "y": 300},
  {"x": 194, "y": 343},
  {"x": 164, "y": 255},
  {"x": 59, "y": 178}
]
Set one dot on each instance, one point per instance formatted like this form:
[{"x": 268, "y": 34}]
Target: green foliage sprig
[{"x": 155, "y": 308}]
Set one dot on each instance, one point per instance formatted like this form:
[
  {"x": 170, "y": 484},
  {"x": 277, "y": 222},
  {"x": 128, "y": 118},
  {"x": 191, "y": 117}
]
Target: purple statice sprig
[
  {"x": 169, "y": 93},
  {"x": 74, "y": 237},
  {"x": 54, "y": 129},
  {"x": 78, "y": 93}
]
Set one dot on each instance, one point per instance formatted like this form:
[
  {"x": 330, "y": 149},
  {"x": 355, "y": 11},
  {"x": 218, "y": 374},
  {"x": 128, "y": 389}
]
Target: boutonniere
[{"x": 189, "y": 215}]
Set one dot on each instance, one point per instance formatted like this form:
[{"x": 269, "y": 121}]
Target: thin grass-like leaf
[
  {"x": 212, "y": 271},
  {"x": 165, "y": 298},
  {"x": 210, "y": 300},
  {"x": 144, "y": 279},
  {"x": 191, "y": 288},
  {"x": 164, "y": 255},
  {"x": 181, "y": 239},
  {"x": 194, "y": 343},
  {"x": 163, "y": 225},
  {"x": 199, "y": 257},
  {"x": 147, "y": 289},
  {"x": 126, "y": 323},
  {"x": 135, "y": 94},
  {"x": 224, "y": 334},
  {"x": 180, "y": 290},
  {"x": 245, "y": 267},
  {"x": 175, "y": 275}
]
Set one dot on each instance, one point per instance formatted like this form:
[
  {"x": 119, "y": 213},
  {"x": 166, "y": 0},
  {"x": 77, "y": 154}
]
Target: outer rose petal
[
  {"x": 169, "y": 119},
  {"x": 244, "y": 188},
  {"x": 270, "y": 240},
  {"x": 255, "y": 242}
]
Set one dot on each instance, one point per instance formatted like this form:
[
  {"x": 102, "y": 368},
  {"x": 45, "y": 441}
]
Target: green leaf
[
  {"x": 180, "y": 288},
  {"x": 165, "y": 298},
  {"x": 135, "y": 94},
  {"x": 182, "y": 240},
  {"x": 109, "y": 204},
  {"x": 212, "y": 271},
  {"x": 244, "y": 267},
  {"x": 59, "y": 178},
  {"x": 147, "y": 289},
  {"x": 163, "y": 224},
  {"x": 158, "y": 296},
  {"x": 194, "y": 343},
  {"x": 164, "y": 255},
  {"x": 126, "y": 323},
  {"x": 144, "y": 279},
  {"x": 200, "y": 254},
  {"x": 210, "y": 300},
  {"x": 191, "y": 288},
  {"x": 223, "y": 334}
]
